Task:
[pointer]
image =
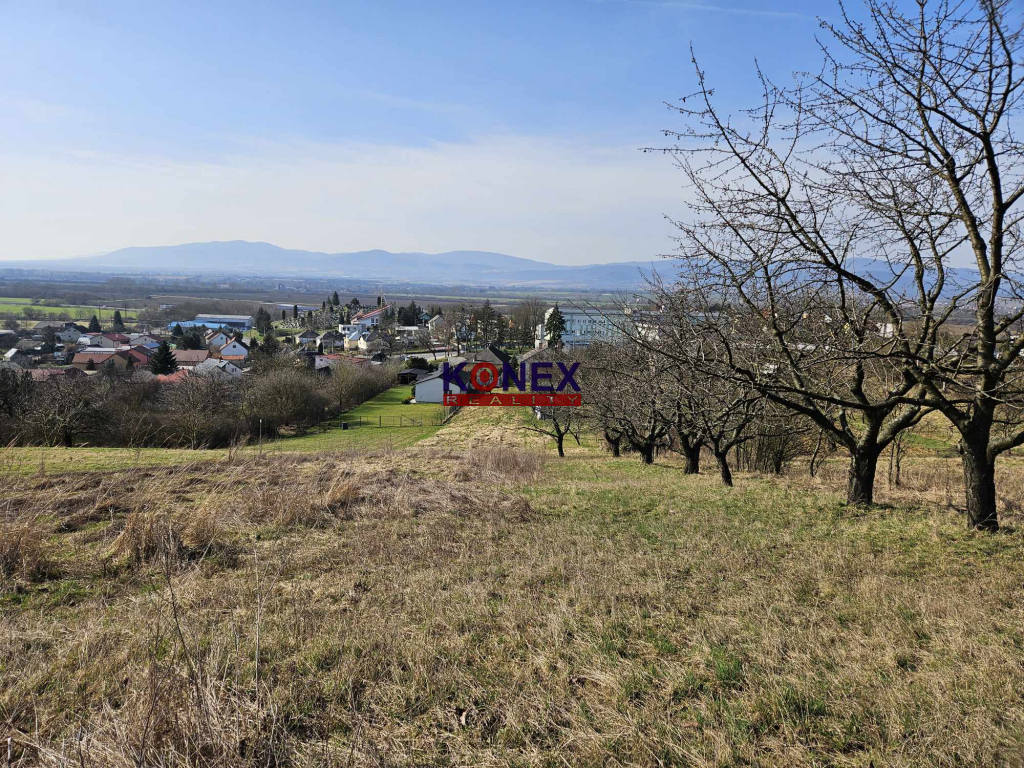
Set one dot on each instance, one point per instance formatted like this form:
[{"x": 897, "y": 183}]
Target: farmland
[
  {"x": 24, "y": 309},
  {"x": 472, "y": 599}
]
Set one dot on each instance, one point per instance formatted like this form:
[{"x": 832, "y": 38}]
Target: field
[
  {"x": 386, "y": 408},
  {"x": 15, "y": 307},
  {"x": 474, "y": 600}
]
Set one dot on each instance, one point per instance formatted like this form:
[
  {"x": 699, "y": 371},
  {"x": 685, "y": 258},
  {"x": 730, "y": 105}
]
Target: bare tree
[
  {"x": 557, "y": 422},
  {"x": 872, "y": 178}
]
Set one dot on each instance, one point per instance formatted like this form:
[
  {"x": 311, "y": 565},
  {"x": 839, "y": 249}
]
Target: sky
[{"x": 512, "y": 126}]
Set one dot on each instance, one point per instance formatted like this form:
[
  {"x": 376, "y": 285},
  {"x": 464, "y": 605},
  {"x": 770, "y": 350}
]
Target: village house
[
  {"x": 331, "y": 340},
  {"x": 306, "y": 338},
  {"x": 217, "y": 339},
  {"x": 17, "y": 357},
  {"x": 190, "y": 358},
  {"x": 93, "y": 360},
  {"x": 218, "y": 369},
  {"x": 435, "y": 325},
  {"x": 235, "y": 351},
  {"x": 430, "y": 389}
]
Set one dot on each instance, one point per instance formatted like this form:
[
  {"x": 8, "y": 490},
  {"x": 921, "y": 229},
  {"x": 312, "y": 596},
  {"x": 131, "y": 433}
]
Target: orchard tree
[{"x": 872, "y": 177}]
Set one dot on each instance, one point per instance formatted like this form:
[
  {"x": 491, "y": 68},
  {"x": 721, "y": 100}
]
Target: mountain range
[{"x": 481, "y": 268}]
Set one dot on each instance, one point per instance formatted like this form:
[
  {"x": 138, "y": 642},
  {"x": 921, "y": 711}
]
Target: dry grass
[
  {"x": 504, "y": 463},
  {"x": 401, "y": 609},
  {"x": 23, "y": 550}
]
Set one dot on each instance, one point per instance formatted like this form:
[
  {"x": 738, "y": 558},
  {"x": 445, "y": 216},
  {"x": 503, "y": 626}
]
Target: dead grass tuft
[
  {"x": 508, "y": 463},
  {"x": 23, "y": 550}
]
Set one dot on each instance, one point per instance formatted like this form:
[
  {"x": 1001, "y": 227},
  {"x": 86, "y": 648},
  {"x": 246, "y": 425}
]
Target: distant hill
[{"x": 451, "y": 267}]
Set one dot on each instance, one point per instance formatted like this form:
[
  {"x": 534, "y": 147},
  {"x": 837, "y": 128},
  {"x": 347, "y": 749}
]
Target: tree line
[{"x": 851, "y": 259}]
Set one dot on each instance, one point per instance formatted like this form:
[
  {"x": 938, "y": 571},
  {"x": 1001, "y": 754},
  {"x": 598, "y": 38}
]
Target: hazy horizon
[{"x": 391, "y": 124}]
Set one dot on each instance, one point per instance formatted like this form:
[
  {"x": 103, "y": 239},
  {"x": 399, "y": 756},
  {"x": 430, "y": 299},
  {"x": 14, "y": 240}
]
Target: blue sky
[{"x": 505, "y": 126}]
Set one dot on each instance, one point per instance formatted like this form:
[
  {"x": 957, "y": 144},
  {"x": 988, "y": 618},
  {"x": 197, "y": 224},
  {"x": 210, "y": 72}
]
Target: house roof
[
  {"x": 172, "y": 378},
  {"x": 239, "y": 343},
  {"x": 371, "y": 313},
  {"x": 190, "y": 355},
  {"x": 98, "y": 358},
  {"x": 492, "y": 354},
  {"x": 462, "y": 376},
  {"x": 115, "y": 336},
  {"x": 238, "y": 318},
  {"x": 211, "y": 364}
]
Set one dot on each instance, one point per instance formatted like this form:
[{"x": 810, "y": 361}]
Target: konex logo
[{"x": 474, "y": 384}]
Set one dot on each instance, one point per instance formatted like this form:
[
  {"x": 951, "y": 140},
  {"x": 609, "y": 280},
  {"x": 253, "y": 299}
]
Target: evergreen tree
[
  {"x": 118, "y": 322},
  {"x": 162, "y": 361},
  {"x": 323, "y": 306},
  {"x": 295, "y": 311},
  {"x": 177, "y": 333},
  {"x": 555, "y": 327},
  {"x": 94, "y": 325},
  {"x": 334, "y": 299},
  {"x": 270, "y": 346},
  {"x": 354, "y": 303},
  {"x": 90, "y": 364},
  {"x": 284, "y": 314},
  {"x": 319, "y": 347}
]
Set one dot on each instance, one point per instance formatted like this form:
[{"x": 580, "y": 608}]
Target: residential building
[
  {"x": 435, "y": 324},
  {"x": 217, "y": 338},
  {"x": 96, "y": 359},
  {"x": 190, "y": 358},
  {"x": 430, "y": 389},
  {"x": 235, "y": 351},
  {"x": 306, "y": 338},
  {"x": 365, "y": 320},
  {"x": 583, "y": 326},
  {"x": 218, "y": 369},
  {"x": 16, "y": 356},
  {"x": 331, "y": 340}
]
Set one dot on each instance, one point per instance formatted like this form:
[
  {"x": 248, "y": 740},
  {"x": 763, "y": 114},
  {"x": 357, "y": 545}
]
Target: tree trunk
[
  {"x": 613, "y": 444},
  {"x": 647, "y": 454},
  {"x": 980, "y": 485},
  {"x": 723, "y": 468},
  {"x": 860, "y": 488},
  {"x": 561, "y": 449},
  {"x": 692, "y": 454}
]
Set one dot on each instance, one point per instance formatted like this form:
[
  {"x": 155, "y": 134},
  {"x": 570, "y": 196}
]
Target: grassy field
[
  {"x": 386, "y": 407},
  {"x": 474, "y": 600},
  {"x": 16, "y": 307}
]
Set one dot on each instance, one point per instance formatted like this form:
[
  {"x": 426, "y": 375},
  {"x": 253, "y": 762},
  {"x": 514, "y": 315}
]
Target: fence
[{"x": 436, "y": 419}]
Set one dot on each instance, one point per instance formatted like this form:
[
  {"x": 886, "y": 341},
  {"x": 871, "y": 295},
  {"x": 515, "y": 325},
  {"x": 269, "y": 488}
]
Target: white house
[
  {"x": 233, "y": 350},
  {"x": 217, "y": 338},
  {"x": 430, "y": 389},
  {"x": 306, "y": 337},
  {"x": 69, "y": 335},
  {"x": 218, "y": 369},
  {"x": 364, "y": 321},
  {"x": 435, "y": 324}
]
